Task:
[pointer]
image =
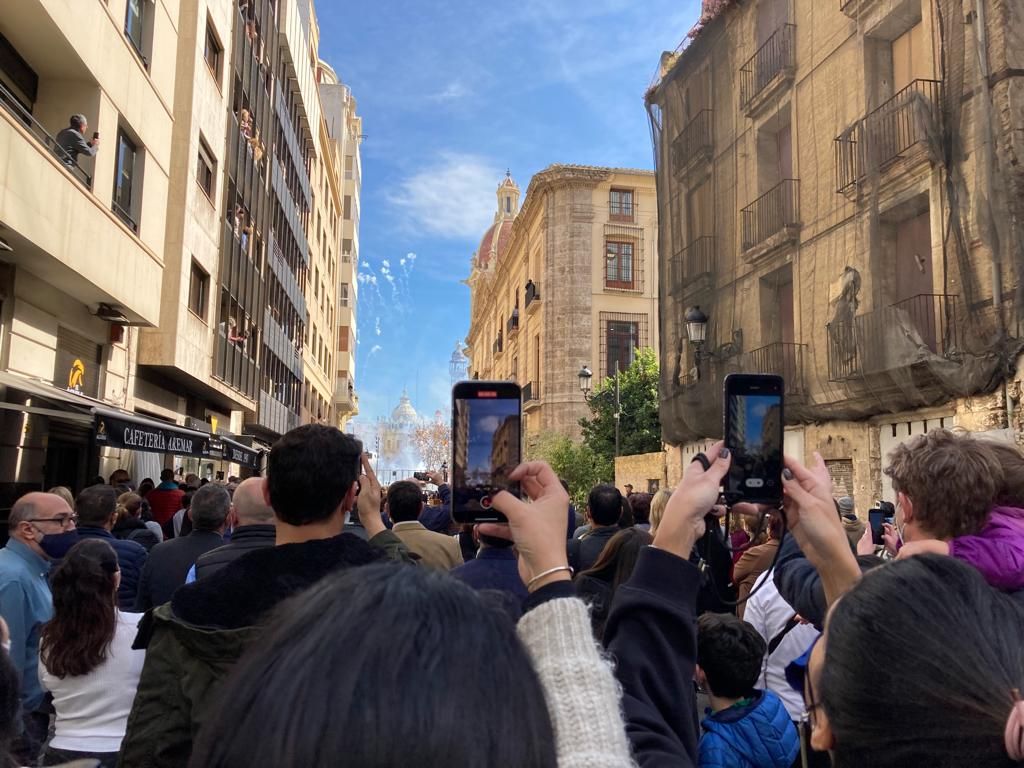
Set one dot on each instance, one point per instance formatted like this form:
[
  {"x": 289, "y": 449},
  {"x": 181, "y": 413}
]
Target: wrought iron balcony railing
[
  {"x": 772, "y": 59},
  {"x": 532, "y": 293},
  {"x": 781, "y": 359},
  {"x": 886, "y": 134},
  {"x": 912, "y": 331},
  {"x": 696, "y": 140},
  {"x": 774, "y": 211},
  {"x": 696, "y": 259},
  {"x": 512, "y": 326},
  {"x": 40, "y": 134},
  {"x": 531, "y": 391}
]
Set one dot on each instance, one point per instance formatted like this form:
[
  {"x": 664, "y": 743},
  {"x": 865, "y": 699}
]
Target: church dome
[
  {"x": 496, "y": 238},
  {"x": 404, "y": 413}
]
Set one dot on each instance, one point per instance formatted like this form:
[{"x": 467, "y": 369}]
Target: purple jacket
[{"x": 998, "y": 550}]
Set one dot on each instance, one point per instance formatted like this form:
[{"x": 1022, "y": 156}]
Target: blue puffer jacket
[
  {"x": 131, "y": 556},
  {"x": 759, "y": 735}
]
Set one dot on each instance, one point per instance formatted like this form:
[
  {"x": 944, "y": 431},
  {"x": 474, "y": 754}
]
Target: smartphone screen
[
  {"x": 486, "y": 429},
  {"x": 876, "y": 517},
  {"x": 754, "y": 422}
]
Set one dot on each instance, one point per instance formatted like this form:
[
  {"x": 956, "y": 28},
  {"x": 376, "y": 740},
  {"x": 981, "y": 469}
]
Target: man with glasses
[{"x": 41, "y": 528}]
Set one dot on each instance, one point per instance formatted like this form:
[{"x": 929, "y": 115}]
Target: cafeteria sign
[{"x": 150, "y": 436}]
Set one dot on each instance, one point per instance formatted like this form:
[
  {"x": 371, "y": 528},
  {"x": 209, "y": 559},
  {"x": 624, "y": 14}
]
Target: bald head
[
  {"x": 37, "y": 505},
  {"x": 250, "y": 505}
]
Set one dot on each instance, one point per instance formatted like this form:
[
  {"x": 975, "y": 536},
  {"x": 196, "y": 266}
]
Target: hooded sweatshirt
[
  {"x": 758, "y": 734},
  {"x": 998, "y": 550}
]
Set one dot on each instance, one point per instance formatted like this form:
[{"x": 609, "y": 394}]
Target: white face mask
[{"x": 7, "y": 647}]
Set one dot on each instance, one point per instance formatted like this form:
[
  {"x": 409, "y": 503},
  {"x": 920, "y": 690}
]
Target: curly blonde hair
[{"x": 658, "y": 504}]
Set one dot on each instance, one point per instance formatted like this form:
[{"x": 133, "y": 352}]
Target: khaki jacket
[{"x": 435, "y": 550}]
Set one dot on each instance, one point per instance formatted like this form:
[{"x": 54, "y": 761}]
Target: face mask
[
  {"x": 56, "y": 545},
  {"x": 7, "y": 647}
]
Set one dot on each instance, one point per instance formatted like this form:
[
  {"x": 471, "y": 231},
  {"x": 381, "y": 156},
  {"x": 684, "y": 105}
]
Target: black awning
[
  {"x": 118, "y": 429},
  {"x": 239, "y": 454}
]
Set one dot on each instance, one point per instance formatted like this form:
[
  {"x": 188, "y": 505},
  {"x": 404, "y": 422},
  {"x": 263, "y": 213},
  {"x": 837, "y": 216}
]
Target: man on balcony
[{"x": 72, "y": 140}]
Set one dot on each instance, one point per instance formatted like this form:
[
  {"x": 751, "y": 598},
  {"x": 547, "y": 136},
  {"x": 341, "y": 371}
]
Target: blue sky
[{"x": 451, "y": 94}]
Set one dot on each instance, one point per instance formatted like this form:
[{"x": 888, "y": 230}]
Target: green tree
[
  {"x": 639, "y": 427},
  {"x": 575, "y": 463}
]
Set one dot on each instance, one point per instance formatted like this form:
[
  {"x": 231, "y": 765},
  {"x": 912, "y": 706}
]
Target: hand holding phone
[
  {"x": 486, "y": 434},
  {"x": 754, "y": 423}
]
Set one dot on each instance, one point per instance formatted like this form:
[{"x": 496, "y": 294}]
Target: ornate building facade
[{"x": 569, "y": 280}]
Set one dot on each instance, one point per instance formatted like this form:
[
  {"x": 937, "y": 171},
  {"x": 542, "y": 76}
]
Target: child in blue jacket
[{"x": 745, "y": 727}]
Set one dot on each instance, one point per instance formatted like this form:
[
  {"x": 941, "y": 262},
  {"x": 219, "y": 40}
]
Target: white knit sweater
[{"x": 583, "y": 697}]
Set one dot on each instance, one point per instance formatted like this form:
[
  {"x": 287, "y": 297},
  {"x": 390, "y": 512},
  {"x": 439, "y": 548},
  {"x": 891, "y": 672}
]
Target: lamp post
[
  {"x": 585, "y": 377},
  {"x": 697, "y": 334}
]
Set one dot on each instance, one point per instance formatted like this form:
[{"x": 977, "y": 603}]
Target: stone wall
[{"x": 641, "y": 471}]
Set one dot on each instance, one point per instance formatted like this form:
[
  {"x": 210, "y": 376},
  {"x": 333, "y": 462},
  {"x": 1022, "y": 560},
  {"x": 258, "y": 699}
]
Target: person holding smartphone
[{"x": 72, "y": 140}]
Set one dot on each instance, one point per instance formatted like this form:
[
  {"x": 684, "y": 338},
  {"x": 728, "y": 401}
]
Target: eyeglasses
[
  {"x": 810, "y": 706},
  {"x": 62, "y": 519}
]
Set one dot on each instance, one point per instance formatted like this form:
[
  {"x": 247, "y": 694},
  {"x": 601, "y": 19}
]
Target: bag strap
[{"x": 777, "y": 640}]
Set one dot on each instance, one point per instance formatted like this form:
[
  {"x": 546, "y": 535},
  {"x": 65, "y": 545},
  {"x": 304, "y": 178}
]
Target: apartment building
[
  {"x": 839, "y": 188},
  {"x": 345, "y": 129},
  {"x": 569, "y": 281},
  {"x": 176, "y": 370},
  {"x": 82, "y": 238}
]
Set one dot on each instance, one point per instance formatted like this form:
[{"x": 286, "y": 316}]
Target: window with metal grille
[
  {"x": 841, "y": 471},
  {"x": 621, "y": 335},
  {"x": 619, "y": 265},
  {"x": 620, "y": 204}
]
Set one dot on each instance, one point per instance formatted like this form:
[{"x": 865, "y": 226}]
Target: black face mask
[{"x": 56, "y": 545}]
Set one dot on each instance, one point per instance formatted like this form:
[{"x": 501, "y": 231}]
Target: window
[
  {"x": 346, "y": 250},
  {"x": 198, "y": 289},
  {"x": 206, "y": 169},
  {"x": 123, "y": 180},
  {"x": 620, "y": 205},
  {"x": 622, "y": 340},
  {"x": 133, "y": 21},
  {"x": 347, "y": 207},
  {"x": 212, "y": 51},
  {"x": 618, "y": 265}
]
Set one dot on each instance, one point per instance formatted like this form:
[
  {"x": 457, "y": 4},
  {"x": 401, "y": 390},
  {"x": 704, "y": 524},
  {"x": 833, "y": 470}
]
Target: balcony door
[
  {"x": 910, "y": 58},
  {"x": 771, "y": 14}
]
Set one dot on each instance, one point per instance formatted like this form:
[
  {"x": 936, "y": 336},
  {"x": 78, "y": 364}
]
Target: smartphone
[
  {"x": 754, "y": 422},
  {"x": 423, "y": 477},
  {"x": 486, "y": 435},
  {"x": 876, "y": 518},
  {"x": 96, "y": 135}
]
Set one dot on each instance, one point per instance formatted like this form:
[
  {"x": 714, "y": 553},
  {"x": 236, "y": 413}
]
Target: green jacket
[{"x": 193, "y": 641}]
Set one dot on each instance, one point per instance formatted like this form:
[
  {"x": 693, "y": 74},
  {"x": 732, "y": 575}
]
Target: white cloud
[
  {"x": 375, "y": 349},
  {"x": 410, "y": 256},
  {"x": 451, "y": 198},
  {"x": 456, "y": 90},
  {"x": 376, "y": 327},
  {"x": 386, "y": 264}
]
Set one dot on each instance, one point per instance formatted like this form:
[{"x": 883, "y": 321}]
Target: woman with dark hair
[
  {"x": 86, "y": 659},
  {"x": 373, "y": 651},
  {"x": 953, "y": 669},
  {"x": 597, "y": 585},
  {"x": 146, "y": 486}
]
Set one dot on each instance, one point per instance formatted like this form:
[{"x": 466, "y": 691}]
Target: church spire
[{"x": 508, "y": 198}]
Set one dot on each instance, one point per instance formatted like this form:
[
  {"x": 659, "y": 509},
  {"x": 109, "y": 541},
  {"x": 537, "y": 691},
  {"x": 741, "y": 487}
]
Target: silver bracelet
[{"x": 548, "y": 572}]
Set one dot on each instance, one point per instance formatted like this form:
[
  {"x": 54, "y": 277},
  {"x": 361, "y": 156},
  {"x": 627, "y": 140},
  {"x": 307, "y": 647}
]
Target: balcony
[
  {"x": 622, "y": 211},
  {"x": 284, "y": 274},
  {"x": 274, "y": 416},
  {"x": 58, "y": 228},
  {"x": 856, "y": 8},
  {"x": 532, "y": 294},
  {"x": 531, "y": 395},
  {"x": 499, "y": 346},
  {"x": 769, "y": 71},
  {"x": 781, "y": 359},
  {"x": 694, "y": 146},
  {"x": 920, "y": 329},
  {"x": 693, "y": 264},
  {"x": 512, "y": 326},
  {"x": 345, "y": 398},
  {"x": 888, "y": 134},
  {"x": 772, "y": 221},
  {"x": 276, "y": 339}
]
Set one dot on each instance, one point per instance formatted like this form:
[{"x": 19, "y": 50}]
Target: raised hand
[
  {"x": 683, "y": 521},
  {"x": 368, "y": 501}
]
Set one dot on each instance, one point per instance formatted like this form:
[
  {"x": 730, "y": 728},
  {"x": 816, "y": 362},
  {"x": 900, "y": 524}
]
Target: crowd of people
[{"x": 313, "y": 618}]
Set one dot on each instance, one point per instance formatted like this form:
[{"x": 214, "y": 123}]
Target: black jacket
[
  {"x": 131, "y": 558},
  {"x": 245, "y": 539},
  {"x": 652, "y": 635},
  {"x": 134, "y": 529},
  {"x": 168, "y": 565},
  {"x": 583, "y": 552},
  {"x": 194, "y": 641}
]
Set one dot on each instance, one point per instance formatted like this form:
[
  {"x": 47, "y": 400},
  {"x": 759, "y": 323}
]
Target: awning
[
  {"x": 239, "y": 454},
  {"x": 122, "y": 429},
  {"x": 70, "y": 405}
]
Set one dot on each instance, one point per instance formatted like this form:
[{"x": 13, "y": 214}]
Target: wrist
[{"x": 550, "y": 578}]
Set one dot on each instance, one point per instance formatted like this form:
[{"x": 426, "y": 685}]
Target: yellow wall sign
[{"x": 76, "y": 376}]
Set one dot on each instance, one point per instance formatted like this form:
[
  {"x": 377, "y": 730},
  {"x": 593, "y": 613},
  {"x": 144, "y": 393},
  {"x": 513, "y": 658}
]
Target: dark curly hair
[{"x": 84, "y": 586}]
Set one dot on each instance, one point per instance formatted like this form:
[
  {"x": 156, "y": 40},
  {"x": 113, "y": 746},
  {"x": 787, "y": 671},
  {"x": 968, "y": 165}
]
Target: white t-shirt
[
  {"x": 769, "y": 613},
  {"x": 92, "y": 710}
]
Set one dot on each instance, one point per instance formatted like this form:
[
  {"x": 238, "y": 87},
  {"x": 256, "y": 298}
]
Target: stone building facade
[
  {"x": 569, "y": 280},
  {"x": 840, "y": 193}
]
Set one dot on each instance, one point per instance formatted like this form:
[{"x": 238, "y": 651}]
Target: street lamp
[
  {"x": 585, "y": 375},
  {"x": 697, "y": 333},
  {"x": 696, "y": 326}
]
